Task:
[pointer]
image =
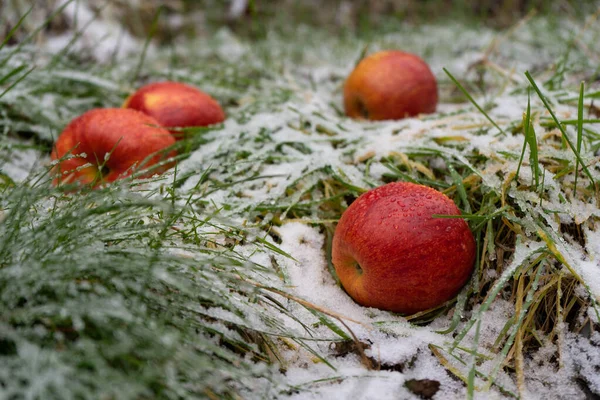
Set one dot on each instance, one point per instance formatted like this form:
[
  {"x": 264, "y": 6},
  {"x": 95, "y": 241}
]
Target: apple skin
[
  {"x": 128, "y": 136},
  {"x": 175, "y": 104},
  {"x": 390, "y": 253},
  {"x": 390, "y": 85}
]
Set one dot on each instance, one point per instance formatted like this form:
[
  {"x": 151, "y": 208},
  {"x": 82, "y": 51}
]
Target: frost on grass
[{"x": 216, "y": 279}]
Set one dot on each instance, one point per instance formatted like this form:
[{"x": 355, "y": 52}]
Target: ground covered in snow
[{"x": 240, "y": 234}]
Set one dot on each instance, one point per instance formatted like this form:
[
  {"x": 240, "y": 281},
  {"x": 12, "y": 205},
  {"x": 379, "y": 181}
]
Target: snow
[
  {"x": 97, "y": 33},
  {"x": 230, "y": 48},
  {"x": 585, "y": 356},
  {"x": 18, "y": 164},
  {"x": 547, "y": 378},
  {"x": 590, "y": 266}
]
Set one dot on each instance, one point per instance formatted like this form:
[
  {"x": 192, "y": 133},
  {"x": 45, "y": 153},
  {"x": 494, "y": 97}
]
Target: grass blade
[
  {"x": 560, "y": 127},
  {"x": 76, "y": 35},
  {"x": 472, "y": 100},
  {"x": 579, "y": 132},
  {"x": 35, "y": 32},
  {"x": 533, "y": 147},
  {"x": 15, "y": 83},
  {"x": 153, "y": 29},
  {"x": 12, "y": 73},
  {"x": 14, "y": 29},
  {"x": 525, "y": 128}
]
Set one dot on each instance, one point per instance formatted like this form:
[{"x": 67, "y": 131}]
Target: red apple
[
  {"x": 114, "y": 141},
  {"x": 176, "y": 105},
  {"x": 390, "y": 253},
  {"x": 390, "y": 85}
]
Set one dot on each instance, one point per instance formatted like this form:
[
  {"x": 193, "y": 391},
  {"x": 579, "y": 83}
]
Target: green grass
[{"x": 182, "y": 286}]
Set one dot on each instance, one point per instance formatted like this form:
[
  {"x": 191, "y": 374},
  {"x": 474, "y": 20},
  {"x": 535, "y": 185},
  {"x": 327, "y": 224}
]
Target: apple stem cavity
[
  {"x": 358, "y": 268},
  {"x": 104, "y": 170},
  {"x": 362, "y": 109}
]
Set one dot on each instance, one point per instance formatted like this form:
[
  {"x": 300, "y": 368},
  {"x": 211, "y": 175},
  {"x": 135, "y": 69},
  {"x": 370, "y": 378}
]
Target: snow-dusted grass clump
[{"x": 215, "y": 280}]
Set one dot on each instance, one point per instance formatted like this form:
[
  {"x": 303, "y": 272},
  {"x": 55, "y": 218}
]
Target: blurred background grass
[{"x": 255, "y": 18}]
